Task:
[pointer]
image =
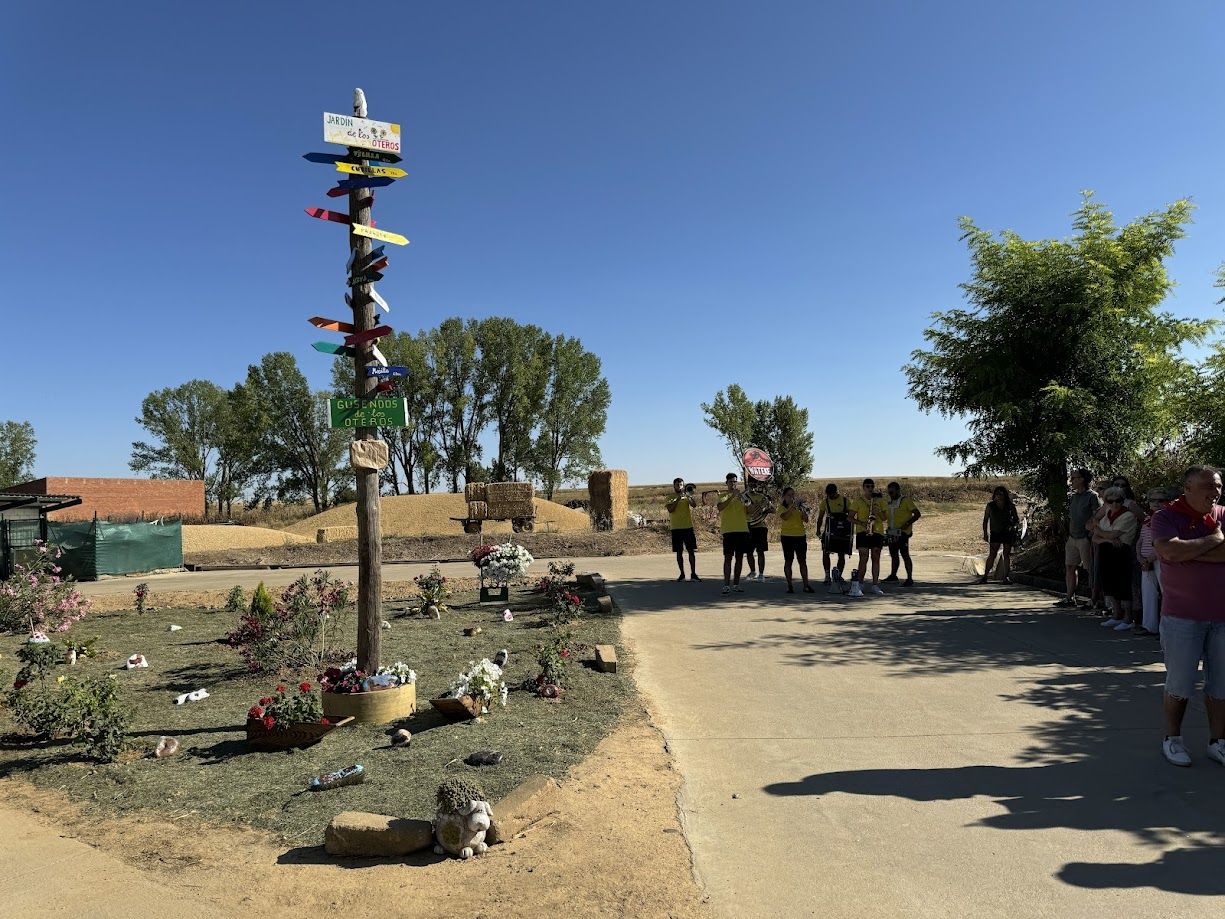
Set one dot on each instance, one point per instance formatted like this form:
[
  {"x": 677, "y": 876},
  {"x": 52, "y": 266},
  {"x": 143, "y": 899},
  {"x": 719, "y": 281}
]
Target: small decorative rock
[
  {"x": 166, "y": 746},
  {"x": 473, "y": 630},
  {"x": 401, "y": 738},
  {"x": 606, "y": 604},
  {"x": 507, "y": 615},
  {"x": 606, "y": 658},
  {"x": 174, "y": 628},
  {"x": 432, "y": 612},
  {"x": 502, "y": 658},
  {"x": 386, "y": 626},
  {"x": 484, "y": 758}
]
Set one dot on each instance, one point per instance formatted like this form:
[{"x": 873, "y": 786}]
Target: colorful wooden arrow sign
[
  {"x": 393, "y": 371},
  {"x": 368, "y": 335},
  {"x": 366, "y": 277},
  {"x": 374, "y": 295},
  {"x": 324, "y": 214},
  {"x": 373, "y": 256},
  {"x": 329, "y": 159},
  {"x": 385, "y": 386},
  {"x": 381, "y": 235},
  {"x": 383, "y": 156},
  {"x": 347, "y": 185},
  {"x": 378, "y": 355},
  {"x": 354, "y": 169},
  {"x": 328, "y": 347},
  {"x": 330, "y": 325}
]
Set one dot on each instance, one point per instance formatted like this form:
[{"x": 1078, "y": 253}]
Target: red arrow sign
[
  {"x": 330, "y": 325},
  {"x": 385, "y": 386},
  {"x": 334, "y": 216},
  {"x": 369, "y": 335}
]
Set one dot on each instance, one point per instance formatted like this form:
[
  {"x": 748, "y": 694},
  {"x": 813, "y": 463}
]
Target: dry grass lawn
[{"x": 430, "y": 515}]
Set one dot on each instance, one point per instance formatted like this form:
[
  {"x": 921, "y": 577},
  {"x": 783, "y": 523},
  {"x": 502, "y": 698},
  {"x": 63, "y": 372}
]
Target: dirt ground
[{"x": 611, "y": 845}]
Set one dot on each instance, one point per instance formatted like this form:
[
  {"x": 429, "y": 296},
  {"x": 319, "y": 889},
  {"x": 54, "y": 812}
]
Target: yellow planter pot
[{"x": 380, "y": 707}]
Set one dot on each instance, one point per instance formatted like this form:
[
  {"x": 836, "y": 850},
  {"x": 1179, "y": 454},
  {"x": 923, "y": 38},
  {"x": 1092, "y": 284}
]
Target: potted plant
[
  {"x": 499, "y": 565},
  {"x": 285, "y": 719},
  {"x": 388, "y": 694},
  {"x": 433, "y": 591},
  {"x": 474, "y": 691}
]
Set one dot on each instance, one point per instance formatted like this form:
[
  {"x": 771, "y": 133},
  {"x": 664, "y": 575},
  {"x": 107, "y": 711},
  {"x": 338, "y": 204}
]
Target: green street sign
[{"x": 352, "y": 412}]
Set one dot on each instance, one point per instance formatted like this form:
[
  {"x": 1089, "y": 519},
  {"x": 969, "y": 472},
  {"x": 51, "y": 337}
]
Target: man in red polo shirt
[{"x": 1189, "y": 540}]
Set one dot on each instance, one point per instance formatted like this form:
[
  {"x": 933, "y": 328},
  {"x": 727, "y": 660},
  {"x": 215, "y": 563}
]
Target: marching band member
[
  {"x": 759, "y": 532},
  {"x": 734, "y": 525},
  {"x": 837, "y": 531},
  {"x": 793, "y": 536},
  {"x": 868, "y": 512},
  {"x": 900, "y": 518},
  {"x": 680, "y": 512}
]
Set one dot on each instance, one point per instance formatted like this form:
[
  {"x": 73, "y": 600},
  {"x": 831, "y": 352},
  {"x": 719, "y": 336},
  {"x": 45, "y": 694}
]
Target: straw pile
[
  {"x": 477, "y": 510},
  {"x": 609, "y": 491},
  {"x": 431, "y": 515},
  {"x": 474, "y": 491},
  {"x": 336, "y": 534},
  {"x": 213, "y": 537},
  {"x": 505, "y": 500}
]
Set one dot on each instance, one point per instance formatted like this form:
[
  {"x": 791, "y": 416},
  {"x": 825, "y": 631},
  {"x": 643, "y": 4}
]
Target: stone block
[
  {"x": 357, "y": 834},
  {"x": 606, "y": 604},
  {"x": 606, "y": 658},
  {"x": 527, "y": 803},
  {"x": 586, "y": 579}
]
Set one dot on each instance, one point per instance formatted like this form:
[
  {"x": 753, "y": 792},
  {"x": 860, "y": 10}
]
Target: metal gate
[{"x": 16, "y": 536}]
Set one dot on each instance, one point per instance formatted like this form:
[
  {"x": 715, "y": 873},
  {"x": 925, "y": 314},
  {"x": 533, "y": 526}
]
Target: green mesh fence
[{"x": 97, "y": 547}]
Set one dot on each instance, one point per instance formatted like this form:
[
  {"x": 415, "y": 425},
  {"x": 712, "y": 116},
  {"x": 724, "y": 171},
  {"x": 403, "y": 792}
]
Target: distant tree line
[
  {"x": 17, "y": 443},
  {"x": 542, "y": 396}
]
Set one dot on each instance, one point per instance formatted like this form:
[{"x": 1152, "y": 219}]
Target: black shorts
[
  {"x": 898, "y": 540},
  {"x": 869, "y": 540},
  {"x": 794, "y": 547},
  {"x": 684, "y": 539},
  {"x": 759, "y": 539},
  {"x": 735, "y": 544},
  {"x": 836, "y": 545},
  {"x": 1003, "y": 539}
]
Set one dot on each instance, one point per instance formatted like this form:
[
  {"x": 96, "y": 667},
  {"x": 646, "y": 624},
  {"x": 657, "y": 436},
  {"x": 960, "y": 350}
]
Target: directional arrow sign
[
  {"x": 378, "y": 355},
  {"x": 384, "y": 372},
  {"x": 366, "y": 277},
  {"x": 344, "y": 186},
  {"x": 328, "y": 347},
  {"x": 330, "y": 159},
  {"x": 330, "y": 325},
  {"x": 385, "y": 386},
  {"x": 381, "y": 155},
  {"x": 381, "y": 235},
  {"x": 355, "y": 169},
  {"x": 333, "y": 216},
  {"x": 369, "y": 335},
  {"x": 375, "y": 254},
  {"x": 377, "y": 266},
  {"x": 374, "y": 295}
]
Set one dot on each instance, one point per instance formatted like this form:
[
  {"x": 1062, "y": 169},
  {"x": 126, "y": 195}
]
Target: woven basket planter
[
  {"x": 461, "y": 709},
  {"x": 302, "y": 734},
  {"x": 382, "y": 706}
]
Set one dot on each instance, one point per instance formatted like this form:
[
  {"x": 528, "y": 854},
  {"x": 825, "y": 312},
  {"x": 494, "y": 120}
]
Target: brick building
[{"x": 120, "y": 499}]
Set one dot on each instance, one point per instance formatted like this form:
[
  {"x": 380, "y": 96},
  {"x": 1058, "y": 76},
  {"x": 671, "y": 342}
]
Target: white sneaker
[
  {"x": 1123, "y": 626},
  {"x": 736, "y": 588},
  {"x": 875, "y": 590},
  {"x": 856, "y": 590},
  {"x": 1176, "y": 751},
  {"x": 1216, "y": 751},
  {"x": 1109, "y": 623},
  {"x": 761, "y": 577}
]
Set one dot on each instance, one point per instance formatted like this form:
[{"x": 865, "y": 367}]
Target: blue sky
[{"x": 704, "y": 192}]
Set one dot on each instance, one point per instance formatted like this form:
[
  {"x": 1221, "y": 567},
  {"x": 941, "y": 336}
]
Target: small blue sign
[{"x": 386, "y": 371}]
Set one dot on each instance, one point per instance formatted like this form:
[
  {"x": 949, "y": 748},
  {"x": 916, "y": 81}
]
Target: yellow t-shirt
[
  {"x": 732, "y": 517},
  {"x": 899, "y": 515},
  {"x": 680, "y": 514},
  {"x": 793, "y": 523},
  {"x": 862, "y": 510}
]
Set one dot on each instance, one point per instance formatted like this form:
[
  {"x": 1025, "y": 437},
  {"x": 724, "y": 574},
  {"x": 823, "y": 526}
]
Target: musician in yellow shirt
[
  {"x": 680, "y": 513},
  {"x": 734, "y": 525},
  {"x": 793, "y": 536},
  {"x": 899, "y": 527},
  {"x": 868, "y": 513}
]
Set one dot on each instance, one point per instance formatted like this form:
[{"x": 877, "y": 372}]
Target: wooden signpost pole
[{"x": 369, "y": 529}]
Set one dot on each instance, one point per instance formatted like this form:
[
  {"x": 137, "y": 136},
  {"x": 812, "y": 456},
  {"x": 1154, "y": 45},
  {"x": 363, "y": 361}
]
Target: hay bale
[
  {"x": 335, "y": 534},
  {"x": 478, "y": 510},
  {"x": 609, "y": 490},
  {"x": 474, "y": 491},
  {"x": 506, "y": 510},
  {"x": 508, "y": 492}
]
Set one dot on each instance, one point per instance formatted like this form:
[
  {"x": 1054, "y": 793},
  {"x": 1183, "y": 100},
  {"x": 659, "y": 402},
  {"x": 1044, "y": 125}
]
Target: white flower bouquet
[
  {"x": 482, "y": 682},
  {"x": 505, "y": 563}
]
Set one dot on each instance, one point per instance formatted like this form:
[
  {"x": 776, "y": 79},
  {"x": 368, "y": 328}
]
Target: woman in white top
[{"x": 1115, "y": 537}]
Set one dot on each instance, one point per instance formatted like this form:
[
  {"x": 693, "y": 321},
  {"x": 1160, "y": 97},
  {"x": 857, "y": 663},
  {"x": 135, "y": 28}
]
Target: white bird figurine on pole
[{"x": 359, "y": 103}]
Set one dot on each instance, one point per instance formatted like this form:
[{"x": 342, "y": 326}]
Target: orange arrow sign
[{"x": 331, "y": 325}]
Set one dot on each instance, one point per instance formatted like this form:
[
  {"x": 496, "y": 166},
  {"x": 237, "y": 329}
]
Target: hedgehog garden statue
[{"x": 462, "y": 819}]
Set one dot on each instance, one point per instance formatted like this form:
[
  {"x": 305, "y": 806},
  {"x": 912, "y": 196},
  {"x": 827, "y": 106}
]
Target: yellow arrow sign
[
  {"x": 381, "y": 235},
  {"x": 355, "y": 169}
]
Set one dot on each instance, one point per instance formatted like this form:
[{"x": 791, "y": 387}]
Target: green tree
[
  {"x": 1200, "y": 405},
  {"x": 17, "y": 444},
  {"x": 1063, "y": 358},
  {"x": 461, "y": 398},
  {"x": 513, "y": 368},
  {"x": 241, "y": 462},
  {"x": 781, "y": 429},
  {"x": 574, "y": 414},
  {"x": 184, "y": 424},
  {"x": 734, "y": 416},
  {"x": 297, "y": 439}
]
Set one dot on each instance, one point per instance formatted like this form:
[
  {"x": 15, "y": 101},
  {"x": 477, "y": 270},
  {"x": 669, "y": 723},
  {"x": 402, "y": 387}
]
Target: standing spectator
[
  {"x": 901, "y": 515},
  {"x": 680, "y": 512},
  {"x": 1001, "y": 527},
  {"x": 1115, "y": 538},
  {"x": 1078, "y": 550},
  {"x": 1191, "y": 546},
  {"x": 1150, "y": 567}
]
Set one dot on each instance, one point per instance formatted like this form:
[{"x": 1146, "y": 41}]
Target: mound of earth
[
  {"x": 217, "y": 537},
  {"x": 431, "y": 515}
]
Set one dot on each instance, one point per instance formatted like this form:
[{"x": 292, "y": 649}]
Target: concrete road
[{"x": 950, "y": 750}]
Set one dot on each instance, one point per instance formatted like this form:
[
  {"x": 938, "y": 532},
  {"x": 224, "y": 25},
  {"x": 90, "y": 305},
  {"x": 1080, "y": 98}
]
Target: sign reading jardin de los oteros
[
  {"x": 351, "y": 131},
  {"x": 757, "y": 464},
  {"x": 352, "y": 412}
]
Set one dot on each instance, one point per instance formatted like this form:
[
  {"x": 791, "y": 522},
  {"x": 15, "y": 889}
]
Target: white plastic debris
[
  {"x": 192, "y": 696},
  {"x": 136, "y": 661},
  {"x": 174, "y": 628},
  {"x": 508, "y": 616}
]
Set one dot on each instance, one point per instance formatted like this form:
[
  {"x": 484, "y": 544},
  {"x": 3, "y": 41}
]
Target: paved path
[{"x": 953, "y": 750}]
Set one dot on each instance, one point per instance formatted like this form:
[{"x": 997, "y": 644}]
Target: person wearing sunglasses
[
  {"x": 1078, "y": 550},
  {"x": 1115, "y": 538},
  {"x": 1150, "y": 566}
]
